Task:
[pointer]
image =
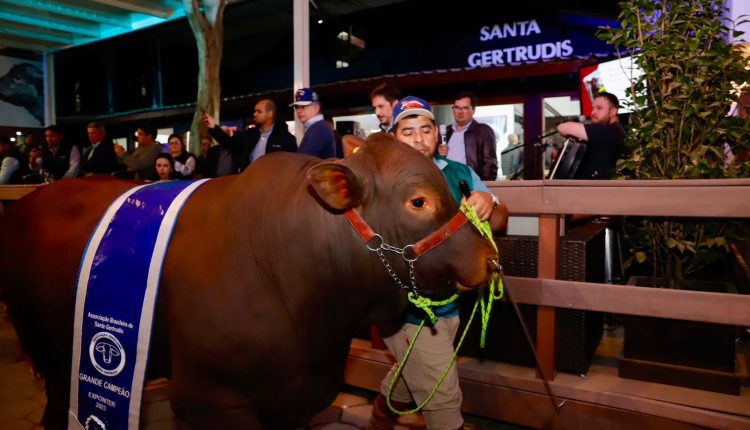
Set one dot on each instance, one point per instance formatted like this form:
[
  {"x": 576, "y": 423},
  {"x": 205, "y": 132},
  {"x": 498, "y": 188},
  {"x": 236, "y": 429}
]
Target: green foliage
[{"x": 680, "y": 121}]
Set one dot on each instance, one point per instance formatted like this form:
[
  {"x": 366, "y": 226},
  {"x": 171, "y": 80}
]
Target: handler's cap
[
  {"x": 304, "y": 97},
  {"x": 411, "y": 105}
]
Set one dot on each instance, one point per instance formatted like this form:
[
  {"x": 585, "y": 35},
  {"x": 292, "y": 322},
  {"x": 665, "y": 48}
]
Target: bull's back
[{"x": 42, "y": 239}]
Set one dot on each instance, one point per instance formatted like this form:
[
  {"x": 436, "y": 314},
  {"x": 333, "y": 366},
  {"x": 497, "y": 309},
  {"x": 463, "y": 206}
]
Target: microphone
[
  {"x": 542, "y": 136},
  {"x": 464, "y": 188}
]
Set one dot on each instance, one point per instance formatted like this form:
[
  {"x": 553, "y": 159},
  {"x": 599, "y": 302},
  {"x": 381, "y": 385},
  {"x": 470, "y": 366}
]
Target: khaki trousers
[{"x": 430, "y": 356}]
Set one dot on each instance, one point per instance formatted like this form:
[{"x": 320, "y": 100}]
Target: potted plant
[{"x": 680, "y": 129}]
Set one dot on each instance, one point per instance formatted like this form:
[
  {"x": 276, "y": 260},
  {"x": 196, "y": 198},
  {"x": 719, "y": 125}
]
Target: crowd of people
[{"x": 225, "y": 151}]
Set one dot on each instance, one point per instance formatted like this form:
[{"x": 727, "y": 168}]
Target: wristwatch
[{"x": 495, "y": 201}]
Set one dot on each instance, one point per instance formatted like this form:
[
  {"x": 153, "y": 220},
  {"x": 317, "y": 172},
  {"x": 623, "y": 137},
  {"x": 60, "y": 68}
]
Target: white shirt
[
  {"x": 74, "y": 162},
  {"x": 260, "y": 147},
  {"x": 456, "y": 145},
  {"x": 7, "y": 168}
]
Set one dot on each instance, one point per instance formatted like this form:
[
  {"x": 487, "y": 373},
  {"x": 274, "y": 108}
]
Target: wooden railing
[
  {"x": 726, "y": 198},
  {"x": 9, "y": 193}
]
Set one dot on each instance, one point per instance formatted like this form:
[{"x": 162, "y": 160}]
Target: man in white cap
[{"x": 318, "y": 139}]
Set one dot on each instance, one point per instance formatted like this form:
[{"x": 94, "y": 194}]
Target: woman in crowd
[
  {"x": 184, "y": 162},
  {"x": 165, "y": 166}
]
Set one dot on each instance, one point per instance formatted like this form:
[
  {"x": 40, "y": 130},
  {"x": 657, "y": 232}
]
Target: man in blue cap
[
  {"x": 414, "y": 125},
  {"x": 318, "y": 139}
]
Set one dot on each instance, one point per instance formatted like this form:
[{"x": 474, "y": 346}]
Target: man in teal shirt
[{"x": 414, "y": 125}]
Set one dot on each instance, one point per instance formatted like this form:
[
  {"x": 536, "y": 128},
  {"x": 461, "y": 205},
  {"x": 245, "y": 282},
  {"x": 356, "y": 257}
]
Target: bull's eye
[{"x": 417, "y": 202}]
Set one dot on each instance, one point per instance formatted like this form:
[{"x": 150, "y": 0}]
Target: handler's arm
[
  {"x": 573, "y": 129},
  {"x": 482, "y": 200}
]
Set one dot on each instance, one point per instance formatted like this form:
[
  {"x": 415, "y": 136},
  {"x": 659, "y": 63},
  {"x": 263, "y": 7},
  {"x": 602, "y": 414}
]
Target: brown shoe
[{"x": 382, "y": 418}]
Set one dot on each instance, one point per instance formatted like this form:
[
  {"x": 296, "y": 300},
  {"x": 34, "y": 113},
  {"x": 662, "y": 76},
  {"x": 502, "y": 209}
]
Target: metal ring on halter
[
  {"x": 411, "y": 251},
  {"x": 379, "y": 237}
]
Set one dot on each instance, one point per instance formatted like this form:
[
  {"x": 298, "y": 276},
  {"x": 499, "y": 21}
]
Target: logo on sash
[
  {"x": 107, "y": 354},
  {"x": 115, "y": 299}
]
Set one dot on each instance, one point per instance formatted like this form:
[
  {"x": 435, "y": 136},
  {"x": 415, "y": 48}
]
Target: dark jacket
[
  {"x": 208, "y": 166},
  {"x": 103, "y": 160},
  {"x": 58, "y": 164},
  {"x": 242, "y": 143},
  {"x": 318, "y": 141},
  {"x": 481, "y": 155}
]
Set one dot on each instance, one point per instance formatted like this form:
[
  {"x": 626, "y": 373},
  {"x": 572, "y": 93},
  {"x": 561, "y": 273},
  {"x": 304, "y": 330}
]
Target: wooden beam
[
  {"x": 695, "y": 197},
  {"x": 28, "y": 17},
  {"x": 15, "y": 192},
  {"x": 664, "y": 200},
  {"x": 79, "y": 11},
  {"x": 521, "y": 197},
  {"x": 722, "y": 308},
  {"x": 549, "y": 241},
  {"x": 36, "y": 34},
  {"x": 134, "y": 6}
]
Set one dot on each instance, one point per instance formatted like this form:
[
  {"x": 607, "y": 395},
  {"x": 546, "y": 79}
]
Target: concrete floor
[{"x": 22, "y": 399}]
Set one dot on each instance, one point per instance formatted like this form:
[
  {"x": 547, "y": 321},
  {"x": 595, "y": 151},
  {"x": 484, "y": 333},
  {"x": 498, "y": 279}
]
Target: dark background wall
[{"x": 153, "y": 72}]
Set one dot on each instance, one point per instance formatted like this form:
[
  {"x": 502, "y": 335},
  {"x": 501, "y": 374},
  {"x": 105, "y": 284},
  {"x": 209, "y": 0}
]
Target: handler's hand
[{"x": 482, "y": 202}]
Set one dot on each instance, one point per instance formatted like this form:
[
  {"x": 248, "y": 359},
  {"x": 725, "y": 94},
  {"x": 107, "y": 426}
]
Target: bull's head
[{"x": 404, "y": 198}]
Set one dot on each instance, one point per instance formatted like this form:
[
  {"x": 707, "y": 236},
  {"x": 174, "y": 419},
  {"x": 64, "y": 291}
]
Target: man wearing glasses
[
  {"x": 318, "y": 139},
  {"x": 471, "y": 142}
]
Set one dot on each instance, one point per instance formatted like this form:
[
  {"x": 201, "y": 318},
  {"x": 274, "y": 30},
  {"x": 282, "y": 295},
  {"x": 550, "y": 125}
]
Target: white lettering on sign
[
  {"x": 518, "y": 54},
  {"x": 509, "y": 29}
]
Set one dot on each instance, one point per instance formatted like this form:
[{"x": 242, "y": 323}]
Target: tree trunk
[{"x": 206, "y": 20}]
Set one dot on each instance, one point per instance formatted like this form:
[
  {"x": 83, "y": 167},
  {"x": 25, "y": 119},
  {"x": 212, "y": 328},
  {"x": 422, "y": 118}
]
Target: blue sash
[{"x": 115, "y": 298}]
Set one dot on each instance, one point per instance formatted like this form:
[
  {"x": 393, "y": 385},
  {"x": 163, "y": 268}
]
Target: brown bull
[{"x": 264, "y": 282}]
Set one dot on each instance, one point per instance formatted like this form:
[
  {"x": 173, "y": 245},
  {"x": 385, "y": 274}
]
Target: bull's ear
[{"x": 336, "y": 185}]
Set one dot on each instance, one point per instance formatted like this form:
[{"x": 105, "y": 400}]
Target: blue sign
[{"x": 117, "y": 287}]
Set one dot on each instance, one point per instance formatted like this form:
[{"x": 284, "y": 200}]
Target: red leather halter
[{"x": 415, "y": 250}]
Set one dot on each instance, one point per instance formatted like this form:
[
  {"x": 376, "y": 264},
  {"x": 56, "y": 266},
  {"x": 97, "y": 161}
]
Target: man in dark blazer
[
  {"x": 471, "y": 142},
  {"x": 214, "y": 160},
  {"x": 248, "y": 145},
  {"x": 100, "y": 157}
]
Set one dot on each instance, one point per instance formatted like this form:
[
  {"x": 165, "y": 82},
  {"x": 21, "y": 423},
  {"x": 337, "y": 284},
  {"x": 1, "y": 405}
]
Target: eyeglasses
[
  {"x": 459, "y": 108},
  {"x": 299, "y": 107}
]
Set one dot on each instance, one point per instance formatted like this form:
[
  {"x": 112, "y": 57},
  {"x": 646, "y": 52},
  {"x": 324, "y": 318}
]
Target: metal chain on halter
[
  {"x": 392, "y": 273},
  {"x": 414, "y": 297}
]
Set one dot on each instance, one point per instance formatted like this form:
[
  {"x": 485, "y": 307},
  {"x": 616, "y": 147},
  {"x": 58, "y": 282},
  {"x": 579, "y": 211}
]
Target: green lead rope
[{"x": 496, "y": 288}]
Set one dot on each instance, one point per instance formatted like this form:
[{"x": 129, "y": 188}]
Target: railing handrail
[
  {"x": 679, "y": 197},
  {"x": 15, "y": 192}
]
